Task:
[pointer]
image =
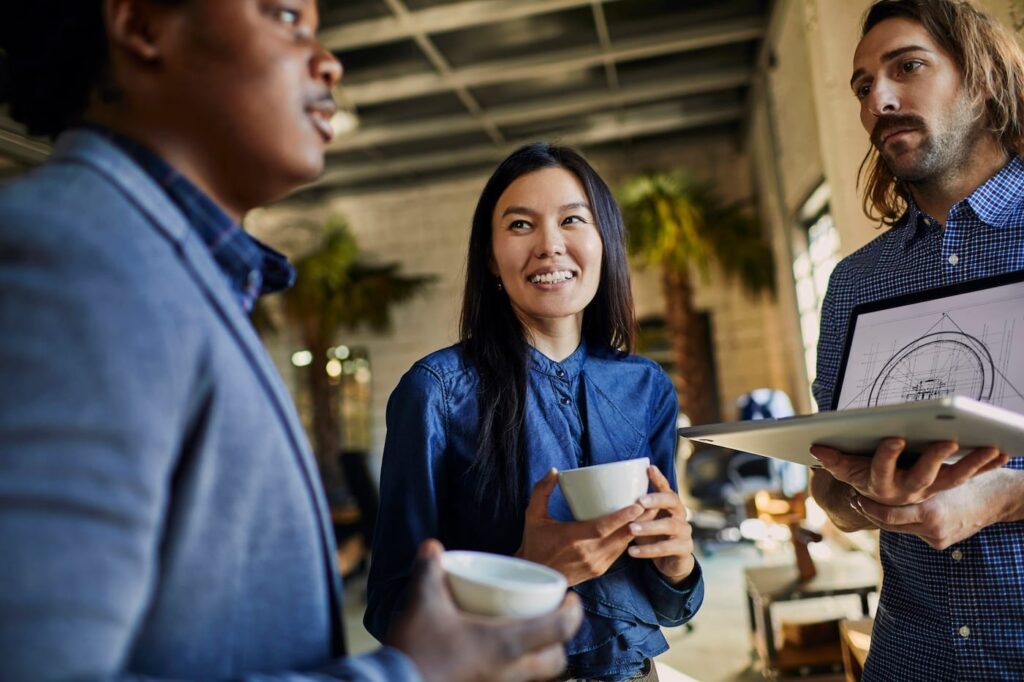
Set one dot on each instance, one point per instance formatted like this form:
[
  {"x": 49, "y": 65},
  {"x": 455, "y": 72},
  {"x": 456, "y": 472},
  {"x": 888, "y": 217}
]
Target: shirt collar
[
  {"x": 251, "y": 267},
  {"x": 998, "y": 198},
  {"x": 566, "y": 370},
  {"x": 995, "y": 202}
]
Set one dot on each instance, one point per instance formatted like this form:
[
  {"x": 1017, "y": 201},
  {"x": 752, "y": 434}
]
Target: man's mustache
[{"x": 888, "y": 123}]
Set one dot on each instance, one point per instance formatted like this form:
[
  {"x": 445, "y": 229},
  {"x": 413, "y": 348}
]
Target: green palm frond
[
  {"x": 680, "y": 223},
  {"x": 336, "y": 289}
]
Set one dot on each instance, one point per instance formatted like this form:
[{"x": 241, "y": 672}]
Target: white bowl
[
  {"x": 604, "y": 488},
  {"x": 498, "y": 585}
]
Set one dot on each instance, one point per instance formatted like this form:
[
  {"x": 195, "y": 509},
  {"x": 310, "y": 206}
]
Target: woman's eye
[
  {"x": 574, "y": 219},
  {"x": 911, "y": 65},
  {"x": 518, "y": 225}
]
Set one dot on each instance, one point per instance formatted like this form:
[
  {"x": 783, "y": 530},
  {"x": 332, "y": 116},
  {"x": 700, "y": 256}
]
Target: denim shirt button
[
  {"x": 565, "y": 401},
  {"x": 560, "y": 373}
]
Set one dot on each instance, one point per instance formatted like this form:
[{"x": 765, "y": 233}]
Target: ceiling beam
[
  {"x": 439, "y": 20},
  {"x": 441, "y": 65},
  {"x": 544, "y": 110},
  {"x": 604, "y": 38},
  {"x": 418, "y": 85},
  {"x": 602, "y": 130}
]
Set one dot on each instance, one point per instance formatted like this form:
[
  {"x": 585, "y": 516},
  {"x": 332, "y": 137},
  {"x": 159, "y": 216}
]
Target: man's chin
[{"x": 905, "y": 166}]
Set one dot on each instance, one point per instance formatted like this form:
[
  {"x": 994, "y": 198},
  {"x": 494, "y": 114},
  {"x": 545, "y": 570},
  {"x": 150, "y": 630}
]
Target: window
[{"x": 815, "y": 254}]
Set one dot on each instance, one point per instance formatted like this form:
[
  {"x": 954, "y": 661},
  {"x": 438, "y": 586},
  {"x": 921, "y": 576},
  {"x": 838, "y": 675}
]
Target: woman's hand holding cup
[
  {"x": 580, "y": 550},
  {"x": 667, "y": 538}
]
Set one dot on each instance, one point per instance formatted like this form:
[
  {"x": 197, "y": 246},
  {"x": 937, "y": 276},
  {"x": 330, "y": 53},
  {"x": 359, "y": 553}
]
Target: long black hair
[{"x": 493, "y": 338}]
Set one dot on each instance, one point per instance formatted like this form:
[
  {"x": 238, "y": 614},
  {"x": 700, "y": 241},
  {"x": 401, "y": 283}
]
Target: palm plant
[
  {"x": 682, "y": 226},
  {"x": 335, "y": 289}
]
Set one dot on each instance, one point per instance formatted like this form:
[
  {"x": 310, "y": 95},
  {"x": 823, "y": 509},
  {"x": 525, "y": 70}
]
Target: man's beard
[{"x": 936, "y": 156}]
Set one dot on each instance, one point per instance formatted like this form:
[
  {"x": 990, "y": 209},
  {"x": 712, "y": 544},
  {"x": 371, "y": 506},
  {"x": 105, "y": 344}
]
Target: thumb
[
  {"x": 428, "y": 575},
  {"x": 538, "y": 507}
]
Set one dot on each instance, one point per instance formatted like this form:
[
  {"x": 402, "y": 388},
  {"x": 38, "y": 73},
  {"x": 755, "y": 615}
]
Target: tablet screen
[{"x": 964, "y": 340}]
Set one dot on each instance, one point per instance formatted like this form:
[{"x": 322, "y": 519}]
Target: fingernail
[
  {"x": 645, "y": 500},
  {"x": 635, "y": 527},
  {"x": 633, "y": 551}
]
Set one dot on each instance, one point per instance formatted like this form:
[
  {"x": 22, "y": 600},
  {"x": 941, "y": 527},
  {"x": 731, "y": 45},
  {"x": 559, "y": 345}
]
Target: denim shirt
[{"x": 591, "y": 408}]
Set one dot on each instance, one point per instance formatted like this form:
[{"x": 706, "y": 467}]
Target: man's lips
[
  {"x": 896, "y": 134},
  {"x": 320, "y": 113}
]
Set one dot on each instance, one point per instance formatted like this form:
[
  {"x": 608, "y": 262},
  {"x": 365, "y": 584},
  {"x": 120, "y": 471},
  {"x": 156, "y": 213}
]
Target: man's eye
[
  {"x": 287, "y": 16},
  {"x": 862, "y": 90}
]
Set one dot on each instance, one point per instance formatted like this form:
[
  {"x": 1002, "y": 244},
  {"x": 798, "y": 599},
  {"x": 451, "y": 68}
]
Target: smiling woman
[
  {"x": 543, "y": 379},
  {"x": 547, "y": 255}
]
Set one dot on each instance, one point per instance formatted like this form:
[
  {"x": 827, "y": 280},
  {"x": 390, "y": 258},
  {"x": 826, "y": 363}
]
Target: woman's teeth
[{"x": 551, "y": 277}]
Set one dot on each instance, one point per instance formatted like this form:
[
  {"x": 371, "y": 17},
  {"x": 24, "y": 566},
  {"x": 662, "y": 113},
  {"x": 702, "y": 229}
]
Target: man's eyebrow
[{"x": 888, "y": 57}]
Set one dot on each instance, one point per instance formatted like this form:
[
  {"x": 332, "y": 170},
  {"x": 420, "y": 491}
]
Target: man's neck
[
  {"x": 936, "y": 196},
  {"x": 168, "y": 147}
]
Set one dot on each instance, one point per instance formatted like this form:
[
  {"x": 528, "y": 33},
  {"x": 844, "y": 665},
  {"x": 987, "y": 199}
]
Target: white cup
[
  {"x": 604, "y": 488},
  {"x": 497, "y": 585}
]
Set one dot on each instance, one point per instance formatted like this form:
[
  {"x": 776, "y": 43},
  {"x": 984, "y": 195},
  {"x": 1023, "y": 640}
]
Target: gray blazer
[{"x": 160, "y": 511}]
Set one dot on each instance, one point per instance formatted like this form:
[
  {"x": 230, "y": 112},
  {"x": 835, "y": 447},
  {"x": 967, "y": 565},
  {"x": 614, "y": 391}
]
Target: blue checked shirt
[
  {"x": 958, "y": 613},
  {"x": 252, "y": 268}
]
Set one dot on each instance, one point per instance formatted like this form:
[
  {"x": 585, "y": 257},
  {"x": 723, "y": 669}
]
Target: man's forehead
[{"x": 888, "y": 36}]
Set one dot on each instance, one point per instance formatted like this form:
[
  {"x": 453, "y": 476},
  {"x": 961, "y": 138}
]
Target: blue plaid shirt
[
  {"x": 252, "y": 268},
  {"x": 955, "y": 614}
]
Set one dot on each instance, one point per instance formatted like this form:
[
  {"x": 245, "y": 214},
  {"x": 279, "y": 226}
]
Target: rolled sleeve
[{"x": 674, "y": 604}]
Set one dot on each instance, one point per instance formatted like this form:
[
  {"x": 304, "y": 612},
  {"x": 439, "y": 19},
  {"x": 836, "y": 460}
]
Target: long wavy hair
[
  {"x": 494, "y": 340},
  {"x": 992, "y": 65}
]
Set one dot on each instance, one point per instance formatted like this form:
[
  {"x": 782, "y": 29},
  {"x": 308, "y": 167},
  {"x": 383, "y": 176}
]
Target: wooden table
[{"x": 849, "y": 573}]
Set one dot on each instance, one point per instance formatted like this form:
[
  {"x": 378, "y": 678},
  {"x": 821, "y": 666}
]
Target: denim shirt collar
[{"x": 567, "y": 370}]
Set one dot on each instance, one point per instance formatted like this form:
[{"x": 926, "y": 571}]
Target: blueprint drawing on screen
[{"x": 970, "y": 344}]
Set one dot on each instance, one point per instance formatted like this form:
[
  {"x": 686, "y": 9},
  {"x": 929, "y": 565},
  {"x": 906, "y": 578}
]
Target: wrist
[
  {"x": 1010, "y": 491},
  {"x": 676, "y": 578},
  {"x": 836, "y": 500}
]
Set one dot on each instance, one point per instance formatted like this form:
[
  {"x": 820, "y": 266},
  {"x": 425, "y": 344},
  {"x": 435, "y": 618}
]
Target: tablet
[
  {"x": 857, "y": 431},
  {"x": 940, "y": 364}
]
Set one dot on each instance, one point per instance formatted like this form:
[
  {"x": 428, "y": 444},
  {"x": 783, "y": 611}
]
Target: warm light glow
[
  {"x": 334, "y": 368},
  {"x": 766, "y": 504},
  {"x": 362, "y": 375},
  {"x": 302, "y": 358},
  {"x": 341, "y": 352}
]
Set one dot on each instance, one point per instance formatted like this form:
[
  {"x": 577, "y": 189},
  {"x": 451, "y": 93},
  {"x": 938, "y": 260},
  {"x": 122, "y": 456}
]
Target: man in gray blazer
[{"x": 160, "y": 512}]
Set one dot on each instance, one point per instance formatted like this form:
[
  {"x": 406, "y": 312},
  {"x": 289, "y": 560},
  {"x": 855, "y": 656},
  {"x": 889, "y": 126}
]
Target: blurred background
[{"x": 737, "y": 110}]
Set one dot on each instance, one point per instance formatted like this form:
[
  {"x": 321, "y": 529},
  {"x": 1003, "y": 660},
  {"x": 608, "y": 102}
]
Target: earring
[{"x": 500, "y": 286}]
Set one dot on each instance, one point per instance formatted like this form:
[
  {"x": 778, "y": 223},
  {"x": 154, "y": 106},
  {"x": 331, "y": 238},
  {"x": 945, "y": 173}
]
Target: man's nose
[
  {"x": 326, "y": 67},
  {"x": 883, "y": 99}
]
